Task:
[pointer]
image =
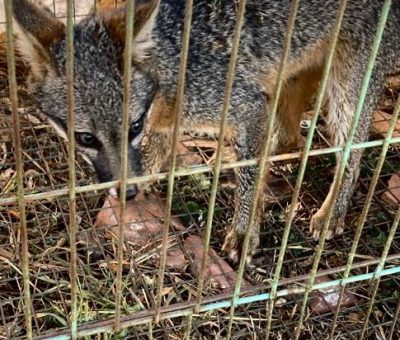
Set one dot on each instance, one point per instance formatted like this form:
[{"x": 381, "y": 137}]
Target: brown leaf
[
  {"x": 166, "y": 290},
  {"x": 188, "y": 157},
  {"x": 14, "y": 213},
  {"x": 144, "y": 222},
  {"x": 392, "y": 196},
  {"x": 325, "y": 300},
  {"x": 176, "y": 259},
  {"x": 277, "y": 189},
  {"x": 356, "y": 317},
  {"x": 143, "y": 219},
  {"x": 381, "y": 121},
  {"x": 228, "y": 154},
  {"x": 218, "y": 271}
]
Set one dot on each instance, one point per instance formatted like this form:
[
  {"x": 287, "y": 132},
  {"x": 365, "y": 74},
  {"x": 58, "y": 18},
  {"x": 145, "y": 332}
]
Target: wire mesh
[{"x": 37, "y": 293}]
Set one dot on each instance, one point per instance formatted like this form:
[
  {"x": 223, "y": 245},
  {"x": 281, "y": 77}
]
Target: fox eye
[
  {"x": 85, "y": 139},
  {"x": 135, "y": 128}
]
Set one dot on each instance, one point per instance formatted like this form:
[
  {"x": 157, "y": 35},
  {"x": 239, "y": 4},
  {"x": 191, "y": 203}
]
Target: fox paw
[
  {"x": 233, "y": 246},
  {"x": 336, "y": 225}
]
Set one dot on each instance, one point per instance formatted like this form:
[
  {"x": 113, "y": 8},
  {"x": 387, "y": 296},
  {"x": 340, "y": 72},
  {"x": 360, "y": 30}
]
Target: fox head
[{"x": 98, "y": 80}]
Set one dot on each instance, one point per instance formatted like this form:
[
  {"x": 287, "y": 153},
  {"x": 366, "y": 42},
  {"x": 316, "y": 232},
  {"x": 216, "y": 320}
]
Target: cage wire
[{"x": 79, "y": 277}]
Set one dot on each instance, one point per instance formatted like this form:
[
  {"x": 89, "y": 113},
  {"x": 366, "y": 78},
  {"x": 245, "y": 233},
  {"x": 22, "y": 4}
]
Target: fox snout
[
  {"x": 131, "y": 191},
  {"x": 108, "y": 168}
]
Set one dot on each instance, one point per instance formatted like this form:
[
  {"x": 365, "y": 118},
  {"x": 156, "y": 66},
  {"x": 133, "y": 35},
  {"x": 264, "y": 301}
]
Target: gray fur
[{"x": 98, "y": 82}]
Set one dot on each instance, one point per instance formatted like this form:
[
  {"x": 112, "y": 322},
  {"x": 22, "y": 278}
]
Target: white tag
[{"x": 305, "y": 124}]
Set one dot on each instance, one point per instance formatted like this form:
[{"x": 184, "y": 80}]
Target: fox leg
[
  {"x": 343, "y": 95},
  {"x": 247, "y": 141},
  {"x": 295, "y": 96}
]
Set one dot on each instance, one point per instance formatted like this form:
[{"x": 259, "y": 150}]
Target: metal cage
[{"x": 51, "y": 289}]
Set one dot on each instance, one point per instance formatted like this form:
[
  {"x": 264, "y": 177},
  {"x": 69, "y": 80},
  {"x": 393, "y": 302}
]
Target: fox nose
[{"x": 131, "y": 191}]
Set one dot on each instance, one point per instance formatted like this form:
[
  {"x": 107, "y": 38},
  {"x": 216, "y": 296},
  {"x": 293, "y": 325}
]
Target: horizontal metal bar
[
  {"x": 189, "y": 171},
  {"x": 392, "y": 259},
  {"x": 285, "y": 292},
  {"x": 132, "y": 320}
]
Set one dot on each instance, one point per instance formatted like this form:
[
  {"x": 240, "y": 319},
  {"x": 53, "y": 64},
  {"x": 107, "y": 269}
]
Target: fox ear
[
  {"x": 145, "y": 16},
  {"x": 144, "y": 37},
  {"x": 36, "y": 31}
]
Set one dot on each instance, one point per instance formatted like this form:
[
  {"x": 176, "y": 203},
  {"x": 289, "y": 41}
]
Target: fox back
[{"x": 98, "y": 46}]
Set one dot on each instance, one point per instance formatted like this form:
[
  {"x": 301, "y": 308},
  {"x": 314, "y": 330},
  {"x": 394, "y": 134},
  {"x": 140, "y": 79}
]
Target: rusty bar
[
  {"x": 19, "y": 168},
  {"x": 265, "y": 151},
  {"x": 130, "y": 8},
  {"x": 190, "y": 171},
  {"x": 71, "y": 166},
  {"x": 218, "y": 160},
  {"x": 364, "y": 213},
  {"x": 340, "y": 168},
  {"x": 172, "y": 164},
  {"x": 303, "y": 165}
]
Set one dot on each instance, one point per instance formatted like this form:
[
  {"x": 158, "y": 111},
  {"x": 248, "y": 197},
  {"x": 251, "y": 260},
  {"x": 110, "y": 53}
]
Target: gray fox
[{"x": 99, "y": 43}]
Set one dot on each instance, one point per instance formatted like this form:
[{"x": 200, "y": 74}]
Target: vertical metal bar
[
  {"x": 172, "y": 164},
  {"x": 220, "y": 147},
  {"x": 303, "y": 165},
  {"x": 365, "y": 210},
  {"x": 263, "y": 167},
  {"x": 12, "y": 82},
  {"x": 395, "y": 318},
  {"x": 379, "y": 268},
  {"x": 150, "y": 331},
  {"x": 346, "y": 153},
  {"x": 71, "y": 166},
  {"x": 189, "y": 326},
  {"x": 130, "y": 8}
]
